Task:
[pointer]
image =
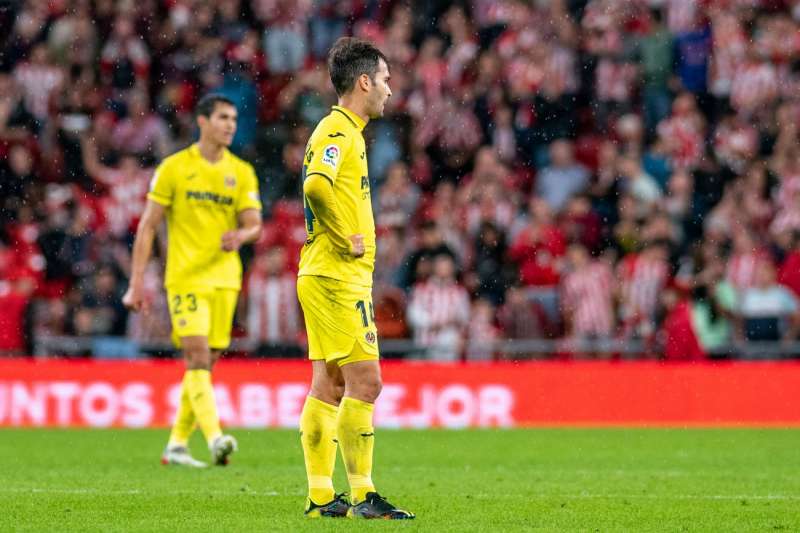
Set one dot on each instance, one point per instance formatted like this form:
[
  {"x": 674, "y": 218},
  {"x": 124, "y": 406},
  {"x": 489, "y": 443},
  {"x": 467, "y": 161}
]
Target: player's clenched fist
[
  {"x": 134, "y": 299},
  {"x": 357, "y": 245},
  {"x": 231, "y": 241}
]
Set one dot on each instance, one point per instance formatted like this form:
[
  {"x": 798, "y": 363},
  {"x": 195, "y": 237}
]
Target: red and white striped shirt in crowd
[
  {"x": 284, "y": 14},
  {"x": 785, "y": 221},
  {"x": 788, "y": 191},
  {"x": 273, "y": 313},
  {"x": 491, "y": 12},
  {"x": 743, "y": 268},
  {"x": 682, "y": 15},
  {"x": 641, "y": 281},
  {"x": 729, "y": 49},
  {"x": 126, "y": 199},
  {"x": 560, "y": 70},
  {"x": 437, "y": 310},
  {"x": 455, "y": 128},
  {"x": 587, "y": 296},
  {"x": 735, "y": 144},
  {"x": 525, "y": 72},
  {"x": 37, "y": 83},
  {"x": 754, "y": 85},
  {"x": 499, "y": 211},
  {"x": 482, "y": 334},
  {"x": 614, "y": 80},
  {"x": 684, "y": 140}
]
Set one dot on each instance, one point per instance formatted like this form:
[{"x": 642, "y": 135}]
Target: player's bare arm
[
  {"x": 249, "y": 231},
  {"x": 142, "y": 248}
]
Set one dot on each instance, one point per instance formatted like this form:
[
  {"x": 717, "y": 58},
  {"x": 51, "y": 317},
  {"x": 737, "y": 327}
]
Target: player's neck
[
  {"x": 211, "y": 151},
  {"x": 350, "y": 103}
]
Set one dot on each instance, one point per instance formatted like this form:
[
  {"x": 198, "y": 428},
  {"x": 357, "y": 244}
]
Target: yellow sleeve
[
  {"x": 325, "y": 153},
  {"x": 319, "y": 194},
  {"x": 248, "y": 194},
  {"x": 162, "y": 186}
]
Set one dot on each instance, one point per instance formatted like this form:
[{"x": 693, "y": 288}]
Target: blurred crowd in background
[{"x": 583, "y": 170}]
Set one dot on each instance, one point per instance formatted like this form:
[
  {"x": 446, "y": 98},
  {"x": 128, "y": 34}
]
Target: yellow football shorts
[
  {"x": 340, "y": 321},
  {"x": 204, "y": 313}
]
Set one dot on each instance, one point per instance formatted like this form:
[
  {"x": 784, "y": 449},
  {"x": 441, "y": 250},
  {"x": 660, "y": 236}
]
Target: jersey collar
[
  {"x": 194, "y": 149},
  {"x": 357, "y": 121}
]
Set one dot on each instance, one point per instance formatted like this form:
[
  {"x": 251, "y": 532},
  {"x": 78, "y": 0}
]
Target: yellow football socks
[
  {"x": 318, "y": 437},
  {"x": 357, "y": 440},
  {"x": 201, "y": 395},
  {"x": 184, "y": 423}
]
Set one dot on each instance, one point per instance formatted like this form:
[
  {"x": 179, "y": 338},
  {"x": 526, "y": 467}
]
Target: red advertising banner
[{"x": 270, "y": 393}]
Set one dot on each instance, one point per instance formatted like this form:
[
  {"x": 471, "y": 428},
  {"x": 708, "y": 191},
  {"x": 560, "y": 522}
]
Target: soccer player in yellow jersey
[
  {"x": 210, "y": 200},
  {"x": 334, "y": 287}
]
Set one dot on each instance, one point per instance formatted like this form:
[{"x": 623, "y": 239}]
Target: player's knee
[
  {"x": 327, "y": 393},
  {"x": 197, "y": 358},
  {"x": 367, "y": 389}
]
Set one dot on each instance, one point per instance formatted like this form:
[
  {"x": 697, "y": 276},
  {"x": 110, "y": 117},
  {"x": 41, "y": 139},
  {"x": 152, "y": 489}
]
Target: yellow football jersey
[
  {"x": 337, "y": 151},
  {"x": 203, "y": 201}
]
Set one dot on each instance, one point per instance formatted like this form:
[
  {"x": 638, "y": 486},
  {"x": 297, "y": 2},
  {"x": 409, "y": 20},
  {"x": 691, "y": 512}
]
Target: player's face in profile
[
  {"x": 221, "y": 125},
  {"x": 380, "y": 91}
]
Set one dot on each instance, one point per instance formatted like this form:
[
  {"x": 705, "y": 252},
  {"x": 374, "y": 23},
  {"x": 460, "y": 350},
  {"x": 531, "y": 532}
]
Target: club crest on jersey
[
  {"x": 230, "y": 182},
  {"x": 330, "y": 156},
  {"x": 370, "y": 337}
]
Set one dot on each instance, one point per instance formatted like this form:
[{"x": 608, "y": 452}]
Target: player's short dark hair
[
  {"x": 206, "y": 105},
  {"x": 350, "y": 58}
]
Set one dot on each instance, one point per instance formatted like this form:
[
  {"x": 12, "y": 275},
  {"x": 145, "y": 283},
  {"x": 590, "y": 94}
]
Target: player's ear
[{"x": 364, "y": 82}]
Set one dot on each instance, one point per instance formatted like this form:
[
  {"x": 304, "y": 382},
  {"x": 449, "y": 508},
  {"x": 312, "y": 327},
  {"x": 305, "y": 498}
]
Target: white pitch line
[
  {"x": 134, "y": 492},
  {"x": 589, "y": 496},
  {"x": 272, "y": 493}
]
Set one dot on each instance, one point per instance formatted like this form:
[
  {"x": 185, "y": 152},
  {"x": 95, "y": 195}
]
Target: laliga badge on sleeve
[{"x": 330, "y": 155}]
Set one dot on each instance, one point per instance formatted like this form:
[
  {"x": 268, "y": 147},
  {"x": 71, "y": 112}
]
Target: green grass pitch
[{"x": 517, "y": 480}]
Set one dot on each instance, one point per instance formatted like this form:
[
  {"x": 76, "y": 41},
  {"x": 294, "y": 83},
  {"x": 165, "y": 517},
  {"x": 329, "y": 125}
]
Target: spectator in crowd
[
  {"x": 39, "y": 79},
  {"x": 16, "y": 174},
  {"x": 398, "y": 198},
  {"x": 124, "y": 59},
  {"x": 769, "y": 310},
  {"x": 15, "y": 322},
  {"x": 563, "y": 177},
  {"x": 656, "y": 50},
  {"x": 482, "y": 333},
  {"x": 102, "y": 302},
  {"x": 17, "y": 123},
  {"x": 273, "y": 314},
  {"x": 642, "y": 276},
  {"x": 438, "y": 311},
  {"x": 419, "y": 264},
  {"x": 789, "y": 273},
  {"x": 127, "y": 186},
  {"x": 390, "y": 305},
  {"x": 521, "y": 319},
  {"x": 489, "y": 265},
  {"x": 391, "y": 252},
  {"x": 538, "y": 250},
  {"x": 587, "y": 298},
  {"x": 714, "y": 306},
  {"x": 152, "y": 327},
  {"x": 141, "y": 132},
  {"x": 638, "y": 183}
]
